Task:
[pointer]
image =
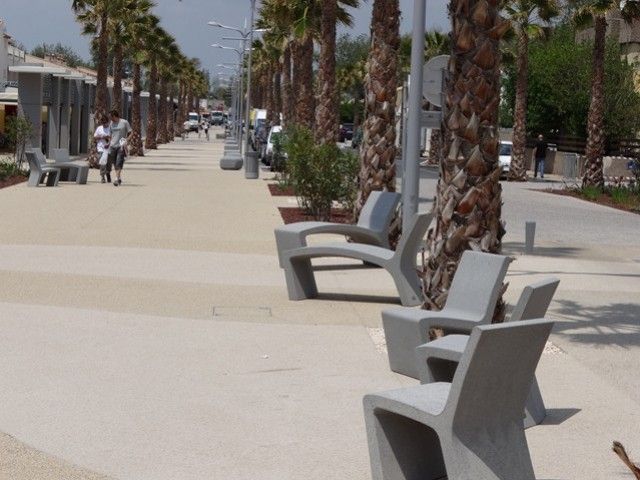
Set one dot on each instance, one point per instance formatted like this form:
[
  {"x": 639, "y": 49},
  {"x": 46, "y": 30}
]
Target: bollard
[
  {"x": 252, "y": 165},
  {"x": 231, "y": 161},
  {"x": 529, "y": 236}
]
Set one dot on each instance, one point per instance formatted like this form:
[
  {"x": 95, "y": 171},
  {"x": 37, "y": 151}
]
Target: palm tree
[
  {"x": 160, "y": 41},
  {"x": 524, "y": 16},
  {"x": 467, "y": 210},
  {"x": 327, "y": 115},
  {"x": 593, "y": 12},
  {"x": 140, "y": 42},
  {"x": 121, "y": 23},
  {"x": 94, "y": 16},
  {"x": 167, "y": 58},
  {"x": 378, "y": 150}
]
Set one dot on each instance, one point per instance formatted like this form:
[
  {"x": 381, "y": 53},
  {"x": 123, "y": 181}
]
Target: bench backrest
[
  {"x": 493, "y": 380},
  {"x": 410, "y": 241},
  {"x": 477, "y": 283},
  {"x": 535, "y": 300},
  {"x": 34, "y": 161},
  {"x": 61, "y": 155},
  {"x": 378, "y": 211}
]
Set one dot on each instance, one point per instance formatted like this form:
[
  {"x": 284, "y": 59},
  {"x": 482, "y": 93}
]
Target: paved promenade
[{"x": 146, "y": 334}]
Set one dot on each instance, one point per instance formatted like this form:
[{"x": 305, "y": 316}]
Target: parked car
[
  {"x": 506, "y": 150},
  {"x": 346, "y": 132},
  {"x": 217, "y": 118},
  {"x": 194, "y": 121},
  {"x": 274, "y": 133}
]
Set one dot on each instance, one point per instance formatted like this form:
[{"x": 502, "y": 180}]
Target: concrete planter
[{"x": 252, "y": 165}]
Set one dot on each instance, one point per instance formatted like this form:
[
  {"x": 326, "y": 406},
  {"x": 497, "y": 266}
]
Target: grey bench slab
[
  {"x": 372, "y": 227},
  {"x": 78, "y": 171},
  {"x": 472, "y": 300},
  {"x": 400, "y": 264},
  {"x": 437, "y": 360},
  {"x": 38, "y": 172},
  {"x": 470, "y": 428}
]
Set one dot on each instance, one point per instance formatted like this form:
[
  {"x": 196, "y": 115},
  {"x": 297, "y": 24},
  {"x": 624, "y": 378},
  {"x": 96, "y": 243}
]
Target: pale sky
[{"x": 32, "y": 22}]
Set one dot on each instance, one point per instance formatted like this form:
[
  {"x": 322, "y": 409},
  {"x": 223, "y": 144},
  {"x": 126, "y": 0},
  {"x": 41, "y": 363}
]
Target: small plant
[
  {"x": 9, "y": 168},
  {"x": 18, "y": 132},
  {"x": 621, "y": 195},
  {"x": 591, "y": 193},
  {"x": 319, "y": 174}
]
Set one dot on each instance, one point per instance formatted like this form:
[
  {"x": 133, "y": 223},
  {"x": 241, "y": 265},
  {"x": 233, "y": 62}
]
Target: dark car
[{"x": 346, "y": 132}]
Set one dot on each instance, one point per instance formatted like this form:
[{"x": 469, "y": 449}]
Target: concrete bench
[
  {"x": 438, "y": 360},
  {"x": 401, "y": 264},
  {"x": 78, "y": 170},
  {"x": 472, "y": 299},
  {"x": 38, "y": 172},
  {"x": 372, "y": 227},
  {"x": 470, "y": 428}
]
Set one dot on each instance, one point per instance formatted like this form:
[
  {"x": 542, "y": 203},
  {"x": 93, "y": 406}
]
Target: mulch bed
[
  {"x": 276, "y": 191},
  {"x": 10, "y": 181},
  {"x": 296, "y": 214},
  {"x": 603, "y": 199}
]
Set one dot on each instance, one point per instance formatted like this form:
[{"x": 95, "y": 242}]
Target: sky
[{"x": 32, "y": 22}]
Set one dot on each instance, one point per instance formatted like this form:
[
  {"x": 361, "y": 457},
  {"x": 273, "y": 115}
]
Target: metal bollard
[{"x": 529, "y": 236}]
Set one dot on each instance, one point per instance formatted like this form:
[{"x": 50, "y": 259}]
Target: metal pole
[
  {"x": 240, "y": 103},
  {"x": 410, "y": 194},
  {"x": 247, "y": 113}
]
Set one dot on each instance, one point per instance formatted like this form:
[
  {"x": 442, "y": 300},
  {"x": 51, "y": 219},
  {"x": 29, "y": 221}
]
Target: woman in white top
[{"x": 102, "y": 137}]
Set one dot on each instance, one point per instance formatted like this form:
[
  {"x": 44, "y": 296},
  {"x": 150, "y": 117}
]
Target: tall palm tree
[
  {"x": 525, "y": 17},
  {"x": 161, "y": 39},
  {"x": 140, "y": 41},
  {"x": 467, "y": 210},
  {"x": 378, "y": 150},
  {"x": 170, "y": 57},
  {"x": 327, "y": 114},
  {"x": 594, "y": 12},
  {"x": 94, "y": 16}
]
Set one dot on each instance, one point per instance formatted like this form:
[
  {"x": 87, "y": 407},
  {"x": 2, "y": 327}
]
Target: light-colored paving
[{"x": 146, "y": 334}]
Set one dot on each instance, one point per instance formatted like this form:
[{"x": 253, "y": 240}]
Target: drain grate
[{"x": 242, "y": 312}]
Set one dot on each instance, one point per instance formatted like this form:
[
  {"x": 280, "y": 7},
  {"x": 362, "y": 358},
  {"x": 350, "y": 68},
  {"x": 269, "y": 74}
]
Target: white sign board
[{"x": 432, "y": 79}]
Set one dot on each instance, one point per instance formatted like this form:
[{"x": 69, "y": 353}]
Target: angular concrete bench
[
  {"x": 474, "y": 291},
  {"x": 437, "y": 360},
  {"x": 38, "y": 172},
  {"x": 78, "y": 170},
  {"x": 372, "y": 227},
  {"x": 469, "y": 429},
  {"x": 401, "y": 264}
]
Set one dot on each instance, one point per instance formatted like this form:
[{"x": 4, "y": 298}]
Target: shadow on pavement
[
  {"x": 348, "y": 297},
  {"x": 613, "y": 324},
  {"x": 557, "y": 416},
  {"x": 511, "y": 248}
]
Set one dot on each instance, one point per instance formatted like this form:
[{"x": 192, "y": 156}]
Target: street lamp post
[
  {"x": 411, "y": 170},
  {"x": 247, "y": 35}
]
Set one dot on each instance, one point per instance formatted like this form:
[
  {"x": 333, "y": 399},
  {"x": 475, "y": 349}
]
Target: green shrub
[
  {"x": 591, "y": 193},
  {"x": 8, "y": 168},
  {"x": 621, "y": 195},
  {"x": 319, "y": 174}
]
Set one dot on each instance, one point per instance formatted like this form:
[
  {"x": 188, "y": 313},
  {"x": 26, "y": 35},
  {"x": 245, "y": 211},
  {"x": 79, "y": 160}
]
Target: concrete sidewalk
[{"x": 146, "y": 334}]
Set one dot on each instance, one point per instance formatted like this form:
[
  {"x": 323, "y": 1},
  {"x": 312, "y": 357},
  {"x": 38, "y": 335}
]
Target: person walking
[
  {"x": 186, "y": 127},
  {"x": 205, "y": 127},
  {"x": 540, "y": 154},
  {"x": 120, "y": 133},
  {"x": 102, "y": 137}
]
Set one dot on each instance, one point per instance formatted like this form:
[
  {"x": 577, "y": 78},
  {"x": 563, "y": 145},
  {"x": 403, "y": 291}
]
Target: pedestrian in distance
[
  {"x": 540, "y": 153},
  {"x": 120, "y": 133},
  {"x": 205, "y": 127},
  {"x": 102, "y": 137},
  {"x": 185, "y": 130}
]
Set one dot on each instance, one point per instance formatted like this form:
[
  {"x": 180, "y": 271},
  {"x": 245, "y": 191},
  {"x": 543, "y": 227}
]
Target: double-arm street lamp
[
  {"x": 246, "y": 35},
  {"x": 237, "y": 103}
]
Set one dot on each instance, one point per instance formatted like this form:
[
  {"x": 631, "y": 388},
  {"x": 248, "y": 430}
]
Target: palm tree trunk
[
  {"x": 435, "y": 147},
  {"x": 277, "y": 94},
  {"x": 303, "y": 79},
  {"x": 518, "y": 169},
  {"x": 378, "y": 150},
  {"x": 170, "y": 121},
  {"x": 162, "y": 112},
  {"x": 178, "y": 118},
  {"x": 102, "y": 92},
  {"x": 594, "y": 175},
  {"x": 150, "y": 141},
  {"x": 327, "y": 115},
  {"x": 287, "y": 93},
  {"x": 118, "y": 73},
  {"x": 135, "y": 143},
  {"x": 468, "y": 198},
  {"x": 270, "y": 96}
]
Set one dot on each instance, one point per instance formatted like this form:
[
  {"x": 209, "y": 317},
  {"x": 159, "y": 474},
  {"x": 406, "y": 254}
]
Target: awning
[{"x": 39, "y": 69}]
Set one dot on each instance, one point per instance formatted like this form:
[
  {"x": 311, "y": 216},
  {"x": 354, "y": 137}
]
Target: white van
[{"x": 194, "y": 121}]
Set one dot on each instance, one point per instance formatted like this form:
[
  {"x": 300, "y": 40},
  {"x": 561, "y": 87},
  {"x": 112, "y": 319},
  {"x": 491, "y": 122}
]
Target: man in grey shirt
[{"x": 120, "y": 133}]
